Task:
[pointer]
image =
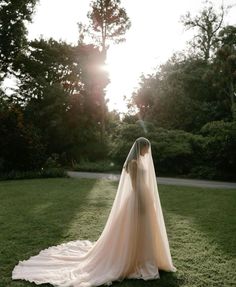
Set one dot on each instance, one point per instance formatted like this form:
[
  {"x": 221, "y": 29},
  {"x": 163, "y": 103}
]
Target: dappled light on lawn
[{"x": 95, "y": 212}]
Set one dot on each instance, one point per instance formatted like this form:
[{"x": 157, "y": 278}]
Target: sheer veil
[{"x": 133, "y": 243}]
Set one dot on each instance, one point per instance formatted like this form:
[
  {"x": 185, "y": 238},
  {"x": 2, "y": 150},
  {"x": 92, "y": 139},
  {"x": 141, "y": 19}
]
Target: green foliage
[
  {"x": 49, "y": 116},
  {"x": 209, "y": 154},
  {"x": 53, "y": 172},
  {"x": 207, "y": 23},
  {"x": 65, "y": 99},
  {"x": 14, "y": 15},
  {"x": 192, "y": 89},
  {"x": 174, "y": 151},
  {"x": 30, "y": 174},
  {"x": 220, "y": 148},
  {"x": 21, "y": 146},
  {"x": 108, "y": 22},
  {"x": 97, "y": 166},
  {"x": 59, "y": 113},
  {"x": 122, "y": 139},
  {"x": 183, "y": 95},
  {"x": 224, "y": 68},
  {"x": 52, "y": 161}
]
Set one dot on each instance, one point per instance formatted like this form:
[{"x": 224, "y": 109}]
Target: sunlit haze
[{"x": 155, "y": 34}]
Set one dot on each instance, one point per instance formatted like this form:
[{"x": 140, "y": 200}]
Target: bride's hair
[{"x": 135, "y": 150}]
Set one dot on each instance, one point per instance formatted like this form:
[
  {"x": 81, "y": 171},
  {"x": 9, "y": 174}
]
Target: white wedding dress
[{"x": 133, "y": 243}]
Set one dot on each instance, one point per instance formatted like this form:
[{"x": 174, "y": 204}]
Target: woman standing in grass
[{"x": 133, "y": 243}]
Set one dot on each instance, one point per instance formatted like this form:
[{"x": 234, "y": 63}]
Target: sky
[{"x": 155, "y": 34}]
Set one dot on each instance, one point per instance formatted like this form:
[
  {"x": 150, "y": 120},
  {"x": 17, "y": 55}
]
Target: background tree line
[
  {"x": 59, "y": 106},
  {"x": 190, "y": 102},
  {"x": 58, "y": 114}
]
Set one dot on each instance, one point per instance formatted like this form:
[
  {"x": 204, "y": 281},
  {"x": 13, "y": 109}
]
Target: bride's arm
[{"x": 133, "y": 173}]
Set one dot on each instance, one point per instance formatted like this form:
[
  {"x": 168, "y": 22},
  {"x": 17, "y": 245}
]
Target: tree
[
  {"x": 13, "y": 17},
  {"x": 44, "y": 63},
  {"x": 186, "y": 93},
  {"x": 146, "y": 95},
  {"x": 208, "y": 22},
  {"x": 58, "y": 90},
  {"x": 21, "y": 146},
  {"x": 224, "y": 68},
  {"x": 219, "y": 149},
  {"x": 108, "y": 22}
]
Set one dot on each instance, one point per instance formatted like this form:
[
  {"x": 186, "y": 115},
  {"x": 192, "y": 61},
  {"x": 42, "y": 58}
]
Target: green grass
[{"x": 200, "y": 222}]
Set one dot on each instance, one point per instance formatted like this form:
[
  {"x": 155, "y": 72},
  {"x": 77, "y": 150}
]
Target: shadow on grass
[
  {"x": 213, "y": 210},
  {"x": 167, "y": 279},
  {"x": 36, "y": 214}
]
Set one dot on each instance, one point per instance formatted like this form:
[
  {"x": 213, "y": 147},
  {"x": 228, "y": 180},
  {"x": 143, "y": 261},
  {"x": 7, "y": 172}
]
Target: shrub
[
  {"x": 174, "y": 151},
  {"x": 98, "y": 166},
  {"x": 220, "y": 149},
  {"x": 210, "y": 154},
  {"x": 52, "y": 161},
  {"x": 21, "y": 146},
  {"x": 43, "y": 173}
]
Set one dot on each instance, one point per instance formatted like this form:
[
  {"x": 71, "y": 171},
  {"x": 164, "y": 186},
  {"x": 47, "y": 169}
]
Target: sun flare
[
  {"x": 155, "y": 34},
  {"x": 123, "y": 72}
]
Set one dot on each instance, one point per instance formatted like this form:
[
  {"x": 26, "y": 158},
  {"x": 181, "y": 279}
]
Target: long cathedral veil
[{"x": 133, "y": 243}]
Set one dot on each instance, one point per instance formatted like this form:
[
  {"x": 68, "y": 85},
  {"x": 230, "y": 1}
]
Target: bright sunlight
[{"x": 155, "y": 34}]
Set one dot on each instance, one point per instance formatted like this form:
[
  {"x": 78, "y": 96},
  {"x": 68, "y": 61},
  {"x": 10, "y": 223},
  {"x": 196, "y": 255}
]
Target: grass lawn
[{"x": 200, "y": 222}]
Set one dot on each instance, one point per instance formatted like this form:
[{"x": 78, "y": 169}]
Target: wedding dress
[{"x": 133, "y": 243}]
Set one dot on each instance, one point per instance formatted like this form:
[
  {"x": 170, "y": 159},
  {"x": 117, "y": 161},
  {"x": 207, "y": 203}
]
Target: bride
[{"x": 133, "y": 243}]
